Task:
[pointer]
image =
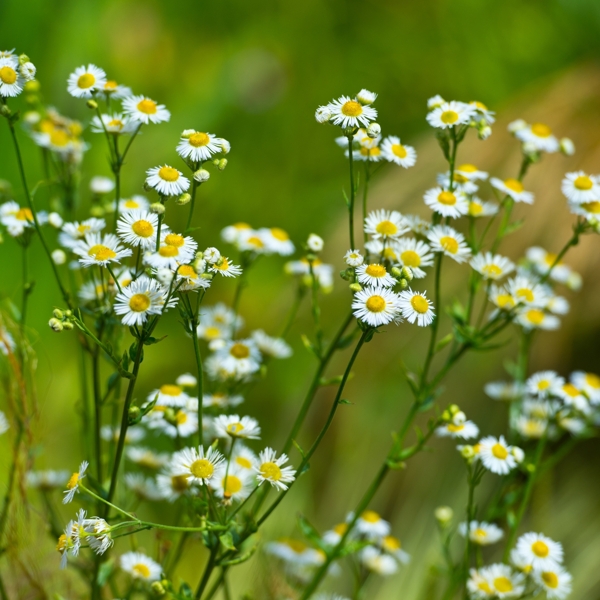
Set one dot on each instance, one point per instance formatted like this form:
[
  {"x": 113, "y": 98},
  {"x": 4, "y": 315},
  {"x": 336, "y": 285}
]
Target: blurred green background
[{"x": 254, "y": 74}]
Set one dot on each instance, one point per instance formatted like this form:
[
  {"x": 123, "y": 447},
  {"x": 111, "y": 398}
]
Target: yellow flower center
[
  {"x": 503, "y": 584},
  {"x": 168, "y": 251},
  {"x": 449, "y": 244},
  {"x": 239, "y": 351},
  {"x": 475, "y": 209},
  {"x": 399, "y": 150},
  {"x": 8, "y": 75},
  {"x": 100, "y": 252},
  {"x": 390, "y": 543},
  {"x": 514, "y": 185},
  {"x": 198, "y": 139},
  {"x": 375, "y": 304},
  {"x": 541, "y": 130},
  {"x": 535, "y": 316},
  {"x": 279, "y": 234},
  {"x": 131, "y": 204},
  {"x": 168, "y": 174},
  {"x": 467, "y": 168},
  {"x": 270, "y": 470},
  {"x": 449, "y": 117},
  {"x": 170, "y": 390},
  {"x": 24, "y": 214},
  {"x": 419, "y": 303},
  {"x": 139, "y": 302},
  {"x": 212, "y": 332},
  {"x": 223, "y": 264},
  {"x": 540, "y": 549},
  {"x": 592, "y": 380},
  {"x": 505, "y": 301},
  {"x": 234, "y": 428},
  {"x": 143, "y": 228},
  {"x": 570, "y": 390},
  {"x": 296, "y": 545},
  {"x": 480, "y": 533},
  {"x": 83, "y": 228},
  {"x": 116, "y": 124},
  {"x": 243, "y": 462},
  {"x": 141, "y": 570},
  {"x": 375, "y": 270},
  {"x": 370, "y": 516},
  {"x": 583, "y": 182},
  {"x": 73, "y": 481},
  {"x": 110, "y": 86},
  {"x": 550, "y": 579},
  {"x": 59, "y": 137},
  {"x": 179, "y": 483},
  {"x": 484, "y": 586},
  {"x": 147, "y": 106},
  {"x": 231, "y": 485},
  {"x": 410, "y": 258},
  {"x": 86, "y": 81},
  {"x": 255, "y": 241},
  {"x": 592, "y": 207},
  {"x": 174, "y": 239},
  {"x": 447, "y": 198},
  {"x": 375, "y": 151},
  {"x": 479, "y": 105},
  {"x": 454, "y": 428},
  {"x": 386, "y": 228},
  {"x": 499, "y": 451},
  {"x": 62, "y": 543},
  {"x": 544, "y": 384},
  {"x": 187, "y": 271},
  {"x": 202, "y": 468},
  {"x": 181, "y": 417},
  {"x": 352, "y": 109},
  {"x": 525, "y": 294},
  {"x": 340, "y": 528},
  {"x": 492, "y": 271}
]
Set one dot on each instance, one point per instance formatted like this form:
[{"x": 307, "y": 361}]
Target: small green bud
[
  {"x": 403, "y": 284},
  {"x": 222, "y": 164},
  {"x": 446, "y": 416},
  {"x": 67, "y": 325},
  {"x": 407, "y": 273},
  {"x": 92, "y": 104},
  {"x": 68, "y": 314},
  {"x": 58, "y": 313},
  {"x": 183, "y": 199},
  {"x": 55, "y": 325},
  {"x": 443, "y": 515},
  {"x": 158, "y": 588},
  {"x": 97, "y": 211},
  {"x": 157, "y": 208},
  {"x": 133, "y": 413},
  {"x": 344, "y": 275},
  {"x": 396, "y": 272},
  {"x": 467, "y": 452},
  {"x": 356, "y": 287},
  {"x": 453, "y": 408},
  {"x": 5, "y": 111}
]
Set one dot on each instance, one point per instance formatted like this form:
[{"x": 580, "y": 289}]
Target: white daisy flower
[
  {"x": 544, "y": 384},
  {"x": 375, "y": 275},
  {"x": 385, "y": 224},
  {"x": 234, "y": 359},
  {"x": 169, "y": 395},
  {"x": 271, "y": 469},
  {"x": 226, "y": 268},
  {"x": 270, "y": 346},
  {"x": 535, "y": 318},
  {"x": 589, "y": 210},
  {"x": 505, "y": 583},
  {"x": 231, "y": 233},
  {"x": 136, "y": 202},
  {"x": 101, "y": 185},
  {"x": 458, "y": 183},
  {"x": 481, "y": 533},
  {"x": 72, "y": 233},
  {"x": 277, "y": 241},
  {"x": 353, "y": 258},
  {"x": 580, "y": 188},
  {"x": 376, "y": 306},
  {"x": 530, "y": 428},
  {"x": 417, "y": 224},
  {"x": 377, "y": 562},
  {"x": 11, "y": 79},
  {"x": 527, "y": 291},
  {"x": 173, "y": 251},
  {"x": 74, "y": 481},
  {"x": 140, "y": 566},
  {"x": 234, "y": 426},
  {"x": 365, "y": 97},
  {"x": 141, "y": 109},
  {"x": 479, "y": 585},
  {"x": 115, "y": 91},
  {"x": 391, "y": 545},
  {"x": 221, "y": 400},
  {"x": 496, "y": 455},
  {"x": 236, "y": 484},
  {"x": 15, "y": 218},
  {"x": 371, "y": 525},
  {"x": 167, "y": 181},
  {"x": 462, "y": 429},
  {"x": 198, "y": 146},
  {"x": 220, "y": 316},
  {"x": 144, "y": 488},
  {"x": 504, "y": 390},
  {"x": 542, "y": 261},
  {"x": 588, "y": 383},
  {"x": 47, "y": 480},
  {"x": 539, "y": 551},
  {"x": 416, "y": 308},
  {"x": 98, "y": 534},
  {"x": 199, "y": 467},
  {"x": 447, "y": 240},
  {"x": 138, "y": 228},
  {"x": 243, "y": 457},
  {"x": 250, "y": 240},
  {"x": 141, "y": 298},
  {"x": 393, "y": 150},
  {"x": 333, "y": 536},
  {"x": 295, "y": 552},
  {"x": 540, "y": 136},
  {"x": 69, "y": 542},
  {"x": 469, "y": 172},
  {"x": 513, "y": 188},
  {"x": 348, "y": 112},
  {"x": 146, "y": 457},
  {"x": 483, "y": 111},
  {"x": 83, "y": 82},
  {"x": 572, "y": 395},
  {"x": 172, "y": 487},
  {"x": 446, "y": 203},
  {"x": 556, "y": 582},
  {"x": 450, "y": 114},
  {"x": 183, "y": 423},
  {"x": 367, "y": 153},
  {"x": 100, "y": 250},
  {"x": 435, "y": 102},
  {"x": 478, "y": 208},
  {"x": 115, "y": 124},
  {"x": 492, "y": 266}
]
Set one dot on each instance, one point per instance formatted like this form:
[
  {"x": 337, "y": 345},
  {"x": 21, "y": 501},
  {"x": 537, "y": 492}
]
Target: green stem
[
  {"x": 210, "y": 565},
  {"x": 352, "y": 190},
  {"x": 316, "y": 309},
  {"x": 436, "y": 320},
  {"x": 195, "y": 186},
  {"x": 364, "y": 201},
  {"x": 293, "y": 310}
]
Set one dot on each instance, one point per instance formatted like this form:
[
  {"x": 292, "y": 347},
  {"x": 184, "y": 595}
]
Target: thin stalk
[
  {"x": 436, "y": 320},
  {"x": 195, "y": 186},
  {"x": 364, "y": 200},
  {"x": 293, "y": 310},
  {"x": 210, "y": 565},
  {"x": 352, "y": 191}
]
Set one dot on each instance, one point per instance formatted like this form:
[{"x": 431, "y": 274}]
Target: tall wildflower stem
[
  {"x": 579, "y": 228},
  {"x": 436, "y": 321},
  {"x": 195, "y": 186},
  {"x": 364, "y": 199},
  {"x": 352, "y": 190}
]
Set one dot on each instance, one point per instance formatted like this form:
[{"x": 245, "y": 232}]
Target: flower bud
[
  {"x": 55, "y": 325},
  {"x": 211, "y": 255},
  {"x": 446, "y": 416},
  {"x": 58, "y": 314},
  {"x": 32, "y": 86},
  {"x": 28, "y": 70},
  {"x": 225, "y": 146},
  {"x": 97, "y": 211},
  {"x": 529, "y": 148},
  {"x": 365, "y": 97},
  {"x": 157, "y": 208},
  {"x": 134, "y": 413},
  {"x": 315, "y": 243},
  {"x": 403, "y": 284},
  {"x": 59, "y": 257},
  {"x": 183, "y": 199},
  {"x": 158, "y": 588},
  {"x": 5, "y": 111},
  {"x": 222, "y": 164},
  {"x": 453, "y": 408},
  {"x": 322, "y": 114},
  {"x": 459, "y": 418},
  {"x": 356, "y": 287},
  {"x": 517, "y": 125},
  {"x": 186, "y": 134},
  {"x": 407, "y": 273},
  {"x": 55, "y": 220},
  {"x": 467, "y": 452},
  {"x": 67, "y": 325},
  {"x": 443, "y": 515},
  {"x": 68, "y": 314},
  {"x": 349, "y": 131},
  {"x": 345, "y": 275},
  {"x": 396, "y": 272},
  {"x": 23, "y": 58},
  {"x": 567, "y": 147},
  {"x": 518, "y": 454},
  {"x": 91, "y": 103},
  {"x": 374, "y": 130},
  {"x": 484, "y": 132},
  {"x": 202, "y": 175}
]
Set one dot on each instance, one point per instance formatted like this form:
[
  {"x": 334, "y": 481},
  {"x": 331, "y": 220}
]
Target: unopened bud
[
  {"x": 97, "y": 211},
  {"x": 518, "y": 454},
  {"x": 517, "y": 125},
  {"x": 222, "y": 164},
  {"x": 322, "y": 114},
  {"x": 407, "y": 273},
  {"x": 158, "y": 588},
  {"x": 55, "y": 325},
  {"x": 202, "y": 175},
  {"x": 32, "y": 86},
  {"x": 59, "y": 257},
  {"x": 57, "y": 313},
  {"x": 484, "y": 132},
  {"x": 567, "y": 147},
  {"x": 443, "y": 514},
  {"x": 183, "y": 199},
  {"x": 23, "y": 58},
  {"x": 5, "y": 111},
  {"x": 403, "y": 284},
  {"x": 356, "y": 287},
  {"x": 446, "y": 416},
  {"x": 453, "y": 408},
  {"x": 349, "y": 131},
  {"x": 91, "y": 103},
  {"x": 134, "y": 413},
  {"x": 365, "y": 97},
  {"x": 67, "y": 325},
  {"x": 68, "y": 314},
  {"x": 373, "y": 130},
  {"x": 467, "y": 452},
  {"x": 529, "y": 148},
  {"x": 157, "y": 208},
  {"x": 345, "y": 275},
  {"x": 396, "y": 272},
  {"x": 459, "y": 418}
]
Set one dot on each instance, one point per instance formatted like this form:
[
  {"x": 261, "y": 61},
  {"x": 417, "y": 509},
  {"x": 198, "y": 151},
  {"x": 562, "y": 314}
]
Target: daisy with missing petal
[
  {"x": 458, "y": 429},
  {"x": 198, "y": 146},
  {"x": 385, "y": 224},
  {"x": 496, "y": 455},
  {"x": 450, "y": 114},
  {"x": 480, "y": 533},
  {"x": 138, "y": 228},
  {"x": 415, "y": 254},
  {"x": 536, "y": 318},
  {"x": 492, "y": 266},
  {"x": 394, "y": 151},
  {"x": 513, "y": 188},
  {"x": 415, "y": 307},
  {"x": 450, "y": 242},
  {"x": 100, "y": 250},
  {"x": 479, "y": 208},
  {"x": 540, "y": 551},
  {"x": 136, "y": 202},
  {"x": 199, "y": 467},
  {"x": 556, "y": 582},
  {"x": 483, "y": 112},
  {"x": 144, "y": 110},
  {"x": 167, "y": 181},
  {"x": 375, "y": 275},
  {"x": 544, "y": 384},
  {"x": 581, "y": 188},
  {"x": 234, "y": 426},
  {"x": 527, "y": 291},
  {"x": 446, "y": 203},
  {"x": 540, "y": 136},
  {"x": 270, "y": 346},
  {"x": 469, "y": 172},
  {"x": 83, "y": 82},
  {"x": 270, "y": 468},
  {"x": 234, "y": 484},
  {"x": 376, "y": 306},
  {"x": 74, "y": 481},
  {"x": 140, "y": 566},
  {"x": 349, "y": 112},
  {"x": 141, "y": 298},
  {"x": 225, "y": 267},
  {"x": 11, "y": 80},
  {"x": 115, "y": 124},
  {"x": 169, "y": 395}
]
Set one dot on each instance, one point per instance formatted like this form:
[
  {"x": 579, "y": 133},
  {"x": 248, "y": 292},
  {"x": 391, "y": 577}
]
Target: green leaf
[
  {"x": 152, "y": 340},
  {"x": 309, "y": 530},
  {"x": 241, "y": 559},
  {"x": 298, "y": 447},
  {"x": 104, "y": 572},
  {"x": 331, "y": 380},
  {"x": 444, "y": 342},
  {"x": 226, "y": 540},
  {"x": 185, "y": 591}
]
